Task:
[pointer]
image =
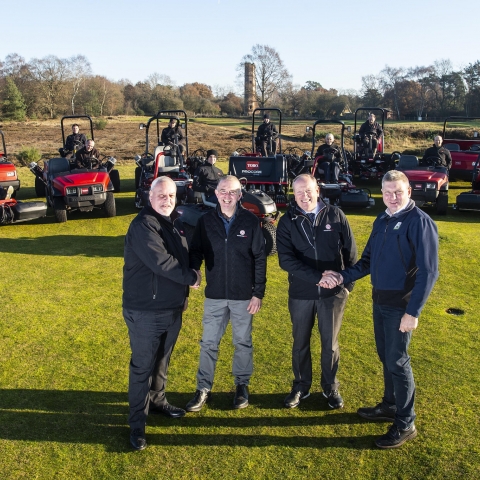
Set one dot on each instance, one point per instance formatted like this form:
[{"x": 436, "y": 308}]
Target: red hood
[
  {"x": 7, "y": 167},
  {"x": 426, "y": 176},
  {"x": 82, "y": 179}
]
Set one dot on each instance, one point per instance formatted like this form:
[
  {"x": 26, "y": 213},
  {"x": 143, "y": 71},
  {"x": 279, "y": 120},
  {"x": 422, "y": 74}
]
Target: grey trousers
[
  {"x": 329, "y": 312},
  {"x": 216, "y": 315}
]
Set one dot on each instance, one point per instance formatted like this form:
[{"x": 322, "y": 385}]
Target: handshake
[
  {"x": 330, "y": 279},
  {"x": 196, "y": 285}
]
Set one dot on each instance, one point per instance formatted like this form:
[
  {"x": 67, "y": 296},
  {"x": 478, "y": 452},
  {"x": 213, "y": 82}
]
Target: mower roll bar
[
  {"x": 342, "y": 135},
  {"x": 70, "y": 117},
  {"x": 254, "y": 133},
  {"x": 458, "y": 119},
  {"x": 4, "y": 151}
]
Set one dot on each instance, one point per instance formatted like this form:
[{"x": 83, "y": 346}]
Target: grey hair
[
  {"x": 395, "y": 176},
  {"x": 227, "y": 178},
  {"x": 162, "y": 179},
  {"x": 305, "y": 176}
]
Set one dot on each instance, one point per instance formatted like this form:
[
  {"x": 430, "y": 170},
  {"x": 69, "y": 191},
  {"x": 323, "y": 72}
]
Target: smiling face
[
  {"x": 306, "y": 193},
  {"x": 396, "y": 195},
  {"x": 90, "y": 145},
  {"x": 228, "y": 192},
  {"x": 438, "y": 141},
  {"x": 329, "y": 139},
  {"x": 162, "y": 197},
  {"x": 75, "y": 129}
]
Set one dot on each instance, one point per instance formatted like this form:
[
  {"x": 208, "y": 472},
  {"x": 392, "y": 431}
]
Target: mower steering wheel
[
  {"x": 475, "y": 148},
  {"x": 431, "y": 161},
  {"x": 199, "y": 152},
  {"x": 93, "y": 162},
  {"x": 242, "y": 151}
]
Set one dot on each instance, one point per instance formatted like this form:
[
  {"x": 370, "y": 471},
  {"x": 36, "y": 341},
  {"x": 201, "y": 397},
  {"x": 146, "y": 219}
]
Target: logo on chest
[{"x": 242, "y": 234}]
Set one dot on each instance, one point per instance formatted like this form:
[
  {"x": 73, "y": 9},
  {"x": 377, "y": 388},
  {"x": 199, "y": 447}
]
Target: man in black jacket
[
  {"x": 267, "y": 135},
  {"x": 74, "y": 142},
  {"x": 156, "y": 276},
  {"x": 172, "y": 135},
  {"x": 442, "y": 155},
  {"x": 370, "y": 130},
  {"x": 311, "y": 237},
  {"x": 85, "y": 157},
  {"x": 207, "y": 176},
  {"x": 230, "y": 240},
  {"x": 329, "y": 164}
]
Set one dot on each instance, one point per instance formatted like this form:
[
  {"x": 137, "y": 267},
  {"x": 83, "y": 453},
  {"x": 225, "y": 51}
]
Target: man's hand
[
  {"x": 185, "y": 305},
  {"x": 330, "y": 279},
  {"x": 254, "y": 305},
  {"x": 408, "y": 323},
  {"x": 199, "y": 280}
]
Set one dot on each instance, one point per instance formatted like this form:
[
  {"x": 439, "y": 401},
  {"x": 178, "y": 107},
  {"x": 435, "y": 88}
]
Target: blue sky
[{"x": 334, "y": 43}]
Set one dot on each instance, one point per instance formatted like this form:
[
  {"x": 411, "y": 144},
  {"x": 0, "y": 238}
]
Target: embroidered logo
[
  {"x": 397, "y": 226},
  {"x": 242, "y": 234},
  {"x": 328, "y": 228}
]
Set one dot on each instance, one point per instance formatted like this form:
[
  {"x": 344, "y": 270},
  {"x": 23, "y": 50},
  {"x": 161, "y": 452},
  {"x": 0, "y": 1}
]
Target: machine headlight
[
  {"x": 71, "y": 190},
  {"x": 97, "y": 188},
  {"x": 431, "y": 186}
]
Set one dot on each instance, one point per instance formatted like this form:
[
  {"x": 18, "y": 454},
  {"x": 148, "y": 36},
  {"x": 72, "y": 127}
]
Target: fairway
[{"x": 64, "y": 368}]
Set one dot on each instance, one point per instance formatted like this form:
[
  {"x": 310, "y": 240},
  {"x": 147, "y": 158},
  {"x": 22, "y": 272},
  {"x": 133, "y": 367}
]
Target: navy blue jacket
[
  {"x": 306, "y": 250},
  {"x": 401, "y": 257}
]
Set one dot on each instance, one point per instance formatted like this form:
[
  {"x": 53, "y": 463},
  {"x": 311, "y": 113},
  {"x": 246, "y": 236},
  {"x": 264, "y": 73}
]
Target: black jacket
[
  {"x": 442, "y": 153},
  {"x": 77, "y": 140},
  {"x": 235, "y": 266},
  {"x": 156, "y": 274},
  {"x": 306, "y": 250},
  {"x": 168, "y": 135},
  {"x": 329, "y": 152},
  {"x": 266, "y": 130},
  {"x": 368, "y": 128},
  {"x": 206, "y": 178},
  {"x": 83, "y": 157}
]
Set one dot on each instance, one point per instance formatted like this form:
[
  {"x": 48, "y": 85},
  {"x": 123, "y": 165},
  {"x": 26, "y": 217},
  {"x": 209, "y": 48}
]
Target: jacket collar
[{"x": 410, "y": 206}]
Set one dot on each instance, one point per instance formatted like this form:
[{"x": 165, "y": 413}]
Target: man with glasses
[
  {"x": 230, "y": 241},
  {"x": 401, "y": 257}
]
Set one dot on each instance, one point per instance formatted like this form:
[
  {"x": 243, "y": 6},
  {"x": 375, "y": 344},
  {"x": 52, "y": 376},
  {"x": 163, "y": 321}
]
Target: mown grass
[{"x": 65, "y": 353}]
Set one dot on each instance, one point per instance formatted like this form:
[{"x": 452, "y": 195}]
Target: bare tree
[
  {"x": 159, "y": 79},
  {"x": 79, "y": 69},
  {"x": 390, "y": 78},
  {"x": 370, "y": 91},
  {"x": 420, "y": 76},
  {"x": 270, "y": 73}
]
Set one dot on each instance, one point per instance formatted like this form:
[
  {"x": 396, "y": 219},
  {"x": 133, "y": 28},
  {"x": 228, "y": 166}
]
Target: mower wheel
[
  {"x": 115, "y": 179},
  {"x": 59, "y": 210},
  {"x": 270, "y": 235},
  {"x": 109, "y": 205},
  {"x": 39, "y": 188},
  {"x": 138, "y": 172},
  {"x": 442, "y": 203}
]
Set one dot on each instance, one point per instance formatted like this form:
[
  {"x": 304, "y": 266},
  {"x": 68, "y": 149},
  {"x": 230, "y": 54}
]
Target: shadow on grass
[
  {"x": 101, "y": 418},
  {"x": 65, "y": 245}
]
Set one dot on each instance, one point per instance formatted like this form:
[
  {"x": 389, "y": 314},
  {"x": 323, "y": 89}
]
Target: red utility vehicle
[{"x": 8, "y": 172}]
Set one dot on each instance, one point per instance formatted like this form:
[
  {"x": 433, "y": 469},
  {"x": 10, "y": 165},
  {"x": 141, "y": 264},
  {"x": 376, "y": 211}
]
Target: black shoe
[
  {"x": 334, "y": 398},
  {"x": 167, "y": 410},
  {"x": 292, "y": 400},
  {"x": 395, "y": 437},
  {"x": 137, "y": 439},
  {"x": 241, "y": 397},
  {"x": 379, "y": 413},
  {"x": 199, "y": 400}
]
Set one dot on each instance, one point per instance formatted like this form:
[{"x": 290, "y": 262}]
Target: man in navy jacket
[{"x": 401, "y": 257}]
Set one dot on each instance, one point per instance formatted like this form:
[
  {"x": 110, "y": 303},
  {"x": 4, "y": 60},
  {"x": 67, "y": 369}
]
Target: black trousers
[
  {"x": 152, "y": 338},
  {"x": 329, "y": 312}
]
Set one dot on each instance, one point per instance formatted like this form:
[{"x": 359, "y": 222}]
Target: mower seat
[
  {"x": 407, "y": 162},
  {"x": 453, "y": 147},
  {"x": 166, "y": 162},
  {"x": 57, "y": 166}
]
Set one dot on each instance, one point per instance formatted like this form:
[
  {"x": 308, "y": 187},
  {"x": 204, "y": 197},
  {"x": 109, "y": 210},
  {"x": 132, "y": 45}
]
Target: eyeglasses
[{"x": 231, "y": 193}]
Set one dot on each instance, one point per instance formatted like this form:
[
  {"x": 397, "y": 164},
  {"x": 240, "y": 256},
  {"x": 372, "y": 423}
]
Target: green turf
[{"x": 64, "y": 364}]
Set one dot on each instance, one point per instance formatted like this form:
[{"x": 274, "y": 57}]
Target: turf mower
[
  {"x": 342, "y": 193},
  {"x": 461, "y": 136},
  {"x": 267, "y": 174},
  {"x": 471, "y": 200},
  {"x": 13, "y": 211},
  {"x": 428, "y": 181},
  {"x": 162, "y": 159},
  {"x": 366, "y": 163},
  {"x": 68, "y": 188},
  {"x": 8, "y": 172}
]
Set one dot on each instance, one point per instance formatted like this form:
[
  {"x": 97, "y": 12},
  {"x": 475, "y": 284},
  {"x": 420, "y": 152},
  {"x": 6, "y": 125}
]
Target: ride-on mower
[
  {"x": 161, "y": 159},
  {"x": 68, "y": 188},
  {"x": 342, "y": 193},
  {"x": 8, "y": 172},
  {"x": 13, "y": 211},
  {"x": 471, "y": 200},
  {"x": 366, "y": 163},
  {"x": 429, "y": 182},
  {"x": 461, "y": 136},
  {"x": 267, "y": 174}
]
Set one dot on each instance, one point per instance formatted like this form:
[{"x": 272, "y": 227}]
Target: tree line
[{"x": 50, "y": 87}]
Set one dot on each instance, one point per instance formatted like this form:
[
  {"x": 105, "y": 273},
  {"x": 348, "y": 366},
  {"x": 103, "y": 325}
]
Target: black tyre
[
  {"x": 138, "y": 172},
  {"x": 270, "y": 235},
  {"x": 115, "y": 178},
  {"x": 109, "y": 205},
  {"x": 442, "y": 203},
  {"x": 39, "y": 188},
  {"x": 59, "y": 210}
]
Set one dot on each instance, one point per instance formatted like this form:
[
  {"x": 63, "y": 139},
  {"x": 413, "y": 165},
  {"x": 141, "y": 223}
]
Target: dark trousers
[
  {"x": 330, "y": 171},
  {"x": 329, "y": 312},
  {"x": 267, "y": 147},
  {"x": 392, "y": 348},
  {"x": 152, "y": 338}
]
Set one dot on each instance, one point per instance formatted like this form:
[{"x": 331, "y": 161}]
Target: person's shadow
[{"x": 101, "y": 417}]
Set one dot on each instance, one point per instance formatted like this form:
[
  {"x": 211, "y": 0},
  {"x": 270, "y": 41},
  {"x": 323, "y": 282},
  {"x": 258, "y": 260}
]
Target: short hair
[
  {"x": 305, "y": 176},
  {"x": 162, "y": 179},
  {"x": 437, "y": 136},
  {"x": 76, "y": 125},
  {"x": 91, "y": 140},
  {"x": 395, "y": 176},
  {"x": 227, "y": 178},
  {"x": 329, "y": 135}
]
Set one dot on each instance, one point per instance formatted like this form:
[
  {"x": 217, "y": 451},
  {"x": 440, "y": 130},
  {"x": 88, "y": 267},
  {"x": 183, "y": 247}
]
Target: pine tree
[{"x": 13, "y": 105}]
